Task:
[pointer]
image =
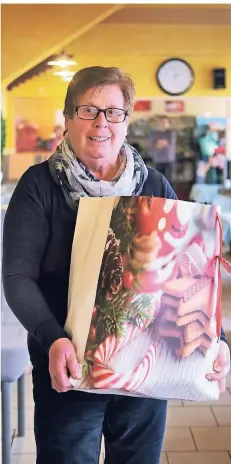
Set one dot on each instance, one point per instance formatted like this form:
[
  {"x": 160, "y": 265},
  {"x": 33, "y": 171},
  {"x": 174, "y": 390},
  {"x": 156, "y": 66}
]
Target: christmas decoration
[
  {"x": 123, "y": 222},
  {"x": 155, "y": 318},
  {"x": 111, "y": 316},
  {"x": 106, "y": 378},
  {"x": 128, "y": 279},
  {"x": 110, "y": 279},
  {"x": 144, "y": 250},
  {"x": 141, "y": 310},
  {"x": 193, "y": 261},
  {"x": 92, "y": 333},
  {"x": 145, "y": 215}
]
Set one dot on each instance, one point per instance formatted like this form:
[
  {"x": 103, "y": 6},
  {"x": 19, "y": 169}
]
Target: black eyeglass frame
[{"x": 100, "y": 110}]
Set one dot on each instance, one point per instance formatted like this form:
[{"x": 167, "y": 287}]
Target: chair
[{"x": 14, "y": 362}]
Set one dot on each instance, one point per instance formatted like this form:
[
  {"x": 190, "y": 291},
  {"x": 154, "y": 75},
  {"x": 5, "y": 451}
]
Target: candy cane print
[
  {"x": 112, "y": 345},
  {"x": 104, "y": 378},
  {"x": 141, "y": 372}
]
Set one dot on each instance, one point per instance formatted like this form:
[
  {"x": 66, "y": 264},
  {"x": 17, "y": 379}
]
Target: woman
[{"x": 93, "y": 160}]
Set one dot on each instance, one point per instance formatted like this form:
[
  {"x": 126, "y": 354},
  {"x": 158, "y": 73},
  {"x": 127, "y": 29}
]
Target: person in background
[
  {"x": 93, "y": 160},
  {"x": 221, "y": 148},
  {"x": 162, "y": 147},
  {"x": 211, "y": 176},
  {"x": 57, "y": 137},
  {"x": 208, "y": 142}
]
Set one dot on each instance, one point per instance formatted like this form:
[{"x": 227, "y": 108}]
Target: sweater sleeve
[
  {"x": 25, "y": 236},
  {"x": 168, "y": 191}
]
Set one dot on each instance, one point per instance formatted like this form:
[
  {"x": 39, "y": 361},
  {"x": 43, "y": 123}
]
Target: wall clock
[{"x": 175, "y": 76}]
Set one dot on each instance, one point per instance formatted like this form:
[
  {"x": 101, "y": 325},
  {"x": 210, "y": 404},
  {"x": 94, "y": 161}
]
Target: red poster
[
  {"x": 174, "y": 106},
  {"x": 142, "y": 105}
]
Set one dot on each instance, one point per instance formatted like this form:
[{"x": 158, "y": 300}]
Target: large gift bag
[{"x": 144, "y": 309}]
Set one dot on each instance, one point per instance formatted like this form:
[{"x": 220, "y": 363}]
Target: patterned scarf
[{"x": 76, "y": 181}]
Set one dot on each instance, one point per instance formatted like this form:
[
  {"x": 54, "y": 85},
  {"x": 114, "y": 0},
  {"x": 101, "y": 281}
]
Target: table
[
  {"x": 204, "y": 193},
  {"x": 226, "y": 228}
]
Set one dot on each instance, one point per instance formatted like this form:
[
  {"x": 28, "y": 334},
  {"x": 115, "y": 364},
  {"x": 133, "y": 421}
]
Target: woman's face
[{"x": 98, "y": 139}]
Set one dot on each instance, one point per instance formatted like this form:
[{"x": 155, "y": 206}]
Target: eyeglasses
[{"x": 115, "y": 115}]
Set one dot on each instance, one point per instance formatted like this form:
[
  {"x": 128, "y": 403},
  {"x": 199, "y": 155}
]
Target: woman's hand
[
  {"x": 161, "y": 143},
  {"x": 221, "y": 367},
  {"x": 62, "y": 363}
]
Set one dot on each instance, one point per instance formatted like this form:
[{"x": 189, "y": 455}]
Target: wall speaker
[{"x": 219, "y": 78}]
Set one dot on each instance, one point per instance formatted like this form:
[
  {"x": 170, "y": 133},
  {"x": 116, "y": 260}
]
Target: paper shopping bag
[{"x": 144, "y": 308}]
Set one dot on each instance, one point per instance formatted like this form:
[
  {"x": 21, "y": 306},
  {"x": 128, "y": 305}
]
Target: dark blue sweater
[{"x": 37, "y": 243}]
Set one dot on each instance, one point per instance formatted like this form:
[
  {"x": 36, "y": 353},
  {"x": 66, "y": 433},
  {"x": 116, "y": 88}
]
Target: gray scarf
[{"x": 76, "y": 180}]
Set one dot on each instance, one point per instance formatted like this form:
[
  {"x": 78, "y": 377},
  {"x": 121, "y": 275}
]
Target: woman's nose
[{"x": 101, "y": 121}]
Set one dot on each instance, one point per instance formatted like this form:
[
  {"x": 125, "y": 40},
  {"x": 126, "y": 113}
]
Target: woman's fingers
[
  {"x": 61, "y": 354},
  {"x": 218, "y": 376},
  {"x": 60, "y": 388},
  {"x": 221, "y": 365}
]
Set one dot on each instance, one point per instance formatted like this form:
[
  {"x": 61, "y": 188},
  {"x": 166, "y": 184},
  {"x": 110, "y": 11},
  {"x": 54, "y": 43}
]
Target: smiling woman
[
  {"x": 97, "y": 125},
  {"x": 97, "y": 133},
  {"x": 93, "y": 160}
]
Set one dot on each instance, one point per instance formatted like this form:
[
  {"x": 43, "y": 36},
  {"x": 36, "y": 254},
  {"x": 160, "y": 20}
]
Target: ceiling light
[
  {"x": 62, "y": 61},
  {"x": 64, "y": 73}
]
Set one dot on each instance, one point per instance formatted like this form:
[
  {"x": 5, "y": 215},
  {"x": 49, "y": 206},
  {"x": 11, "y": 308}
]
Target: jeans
[{"x": 69, "y": 426}]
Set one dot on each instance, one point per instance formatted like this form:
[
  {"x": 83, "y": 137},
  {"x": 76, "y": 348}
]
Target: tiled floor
[{"x": 195, "y": 434}]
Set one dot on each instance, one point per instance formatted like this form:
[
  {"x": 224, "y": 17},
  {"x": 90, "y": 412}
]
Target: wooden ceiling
[
  {"x": 32, "y": 32},
  {"x": 174, "y": 14}
]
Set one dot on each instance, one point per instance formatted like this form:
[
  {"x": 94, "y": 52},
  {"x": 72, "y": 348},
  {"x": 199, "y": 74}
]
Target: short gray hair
[{"x": 98, "y": 76}]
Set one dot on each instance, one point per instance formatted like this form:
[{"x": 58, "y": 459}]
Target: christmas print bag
[{"x": 144, "y": 305}]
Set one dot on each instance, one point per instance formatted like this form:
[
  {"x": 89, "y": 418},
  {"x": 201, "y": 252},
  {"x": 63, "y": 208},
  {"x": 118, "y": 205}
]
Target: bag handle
[{"x": 90, "y": 236}]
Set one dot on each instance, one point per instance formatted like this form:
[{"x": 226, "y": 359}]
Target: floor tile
[
  {"x": 29, "y": 418},
  {"x": 31, "y": 459},
  {"x": 163, "y": 459},
  {"x": 189, "y": 417},
  {"x": 175, "y": 403},
  {"x": 224, "y": 400},
  {"x": 24, "y": 445},
  {"x": 223, "y": 415},
  {"x": 178, "y": 439},
  {"x": 29, "y": 393},
  {"x": 199, "y": 458},
  {"x": 212, "y": 438},
  {"x": 228, "y": 380}
]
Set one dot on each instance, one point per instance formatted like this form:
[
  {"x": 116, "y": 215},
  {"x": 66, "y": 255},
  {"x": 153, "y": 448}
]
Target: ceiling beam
[{"x": 64, "y": 43}]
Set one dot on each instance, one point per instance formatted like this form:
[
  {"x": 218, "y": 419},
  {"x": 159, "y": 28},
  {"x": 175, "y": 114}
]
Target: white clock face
[{"x": 175, "y": 76}]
